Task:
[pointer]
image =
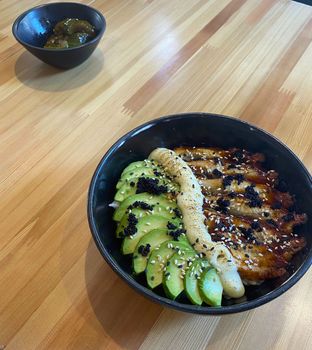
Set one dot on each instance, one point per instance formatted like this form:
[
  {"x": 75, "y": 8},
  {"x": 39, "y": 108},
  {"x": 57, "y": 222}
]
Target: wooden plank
[{"x": 247, "y": 58}]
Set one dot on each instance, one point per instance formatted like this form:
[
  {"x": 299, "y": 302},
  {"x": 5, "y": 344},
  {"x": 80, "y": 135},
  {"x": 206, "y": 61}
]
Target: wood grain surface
[{"x": 246, "y": 58}]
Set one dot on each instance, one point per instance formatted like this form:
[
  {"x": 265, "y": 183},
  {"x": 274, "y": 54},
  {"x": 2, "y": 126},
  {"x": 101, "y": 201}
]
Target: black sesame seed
[
  {"x": 131, "y": 229},
  {"x": 227, "y": 180},
  {"x": 247, "y": 232},
  {"x": 175, "y": 234},
  {"x": 239, "y": 178},
  {"x": 144, "y": 250},
  {"x": 141, "y": 205},
  {"x": 177, "y": 212},
  {"x": 157, "y": 173},
  {"x": 216, "y": 173},
  {"x": 171, "y": 226},
  {"x": 256, "y": 226},
  {"x": 272, "y": 222},
  {"x": 220, "y": 225},
  {"x": 253, "y": 197},
  {"x": 216, "y": 160},
  {"x": 223, "y": 204}
]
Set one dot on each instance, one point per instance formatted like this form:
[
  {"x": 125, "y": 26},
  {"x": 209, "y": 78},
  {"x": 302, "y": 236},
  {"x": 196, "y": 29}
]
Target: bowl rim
[
  {"x": 204, "y": 310},
  {"x": 88, "y": 43}
]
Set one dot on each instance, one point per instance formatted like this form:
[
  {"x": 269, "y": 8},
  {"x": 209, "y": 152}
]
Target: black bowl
[
  {"x": 33, "y": 27},
  {"x": 197, "y": 129}
]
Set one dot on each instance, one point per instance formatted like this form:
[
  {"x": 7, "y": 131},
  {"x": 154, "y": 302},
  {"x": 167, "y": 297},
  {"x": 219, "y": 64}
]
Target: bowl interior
[
  {"x": 197, "y": 130},
  {"x": 36, "y": 25}
]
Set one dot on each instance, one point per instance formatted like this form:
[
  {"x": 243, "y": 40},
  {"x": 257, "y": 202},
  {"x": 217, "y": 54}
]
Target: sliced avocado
[
  {"x": 126, "y": 190},
  {"x": 145, "y": 246},
  {"x": 159, "y": 258},
  {"x": 191, "y": 281},
  {"x": 211, "y": 288},
  {"x": 145, "y": 225},
  {"x": 135, "y": 173},
  {"x": 138, "y": 164},
  {"x": 129, "y": 187},
  {"x": 173, "y": 281},
  {"x": 146, "y": 198},
  {"x": 140, "y": 213}
]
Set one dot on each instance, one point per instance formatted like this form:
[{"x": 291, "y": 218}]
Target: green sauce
[{"x": 71, "y": 32}]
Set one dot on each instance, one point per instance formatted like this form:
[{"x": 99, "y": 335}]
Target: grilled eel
[{"x": 247, "y": 209}]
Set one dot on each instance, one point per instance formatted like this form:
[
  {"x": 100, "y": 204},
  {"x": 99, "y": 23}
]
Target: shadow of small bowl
[
  {"x": 208, "y": 130},
  {"x": 33, "y": 27}
]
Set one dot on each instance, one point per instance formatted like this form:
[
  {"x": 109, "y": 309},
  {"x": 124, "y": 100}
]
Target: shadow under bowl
[
  {"x": 207, "y": 130},
  {"x": 33, "y": 27}
]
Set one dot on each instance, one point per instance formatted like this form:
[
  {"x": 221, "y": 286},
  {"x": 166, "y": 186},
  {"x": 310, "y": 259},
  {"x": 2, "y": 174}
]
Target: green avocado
[
  {"x": 146, "y": 198},
  {"x": 145, "y": 225},
  {"x": 151, "y": 240},
  {"x": 159, "y": 258},
  {"x": 210, "y": 287},
  {"x": 136, "y": 173},
  {"x": 173, "y": 281},
  {"x": 140, "y": 213},
  {"x": 138, "y": 164},
  {"x": 191, "y": 281}
]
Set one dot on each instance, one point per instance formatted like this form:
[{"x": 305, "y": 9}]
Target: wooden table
[{"x": 246, "y": 58}]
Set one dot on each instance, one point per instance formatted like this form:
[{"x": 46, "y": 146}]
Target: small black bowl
[
  {"x": 33, "y": 27},
  {"x": 197, "y": 129}
]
